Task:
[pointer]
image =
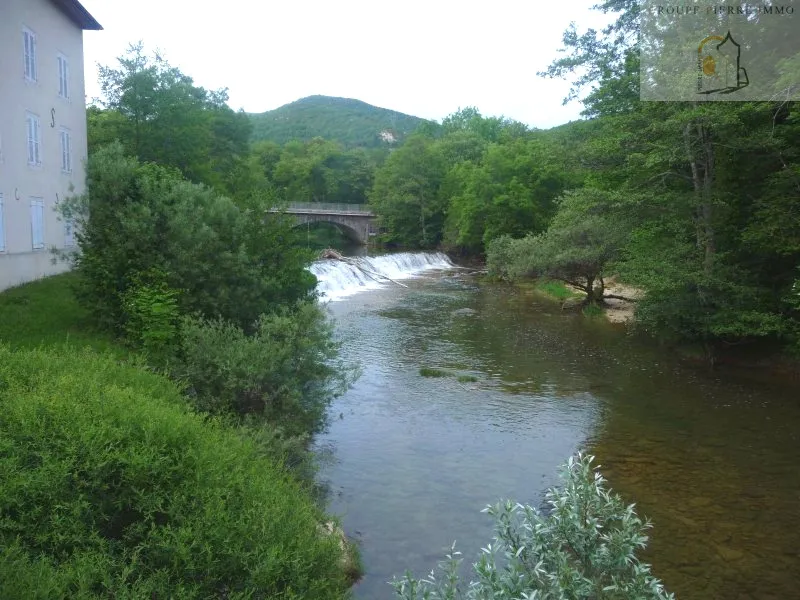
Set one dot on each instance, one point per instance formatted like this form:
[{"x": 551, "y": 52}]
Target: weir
[{"x": 339, "y": 279}]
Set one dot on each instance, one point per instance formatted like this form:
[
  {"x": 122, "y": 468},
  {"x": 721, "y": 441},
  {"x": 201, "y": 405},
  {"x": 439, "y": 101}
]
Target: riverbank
[{"x": 103, "y": 412}]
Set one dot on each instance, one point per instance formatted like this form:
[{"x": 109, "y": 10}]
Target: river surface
[{"x": 710, "y": 457}]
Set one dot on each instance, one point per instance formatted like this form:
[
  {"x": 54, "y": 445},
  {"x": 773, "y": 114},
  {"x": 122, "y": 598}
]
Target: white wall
[{"x": 55, "y": 34}]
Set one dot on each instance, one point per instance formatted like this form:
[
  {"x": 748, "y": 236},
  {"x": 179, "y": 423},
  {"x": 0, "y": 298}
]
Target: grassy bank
[
  {"x": 112, "y": 485},
  {"x": 46, "y": 312}
]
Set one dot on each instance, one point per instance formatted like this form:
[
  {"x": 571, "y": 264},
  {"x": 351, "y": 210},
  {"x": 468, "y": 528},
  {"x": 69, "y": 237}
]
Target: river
[{"x": 710, "y": 457}]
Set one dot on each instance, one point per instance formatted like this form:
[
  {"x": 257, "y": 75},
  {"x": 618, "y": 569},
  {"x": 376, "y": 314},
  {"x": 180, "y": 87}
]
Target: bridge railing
[{"x": 329, "y": 207}]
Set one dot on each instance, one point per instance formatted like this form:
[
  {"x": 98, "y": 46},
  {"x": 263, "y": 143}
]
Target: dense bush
[
  {"x": 110, "y": 487},
  {"x": 152, "y": 316},
  {"x": 285, "y": 372},
  {"x": 229, "y": 260},
  {"x": 583, "y": 547}
]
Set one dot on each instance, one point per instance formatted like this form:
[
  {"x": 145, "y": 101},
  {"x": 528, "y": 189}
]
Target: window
[
  {"x": 29, "y": 54},
  {"x": 37, "y": 223},
  {"x": 63, "y": 76},
  {"x": 2, "y": 227},
  {"x": 34, "y": 140},
  {"x": 66, "y": 151},
  {"x": 69, "y": 234}
]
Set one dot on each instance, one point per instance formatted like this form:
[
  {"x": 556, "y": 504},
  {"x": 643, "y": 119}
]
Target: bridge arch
[
  {"x": 346, "y": 230},
  {"x": 356, "y": 220}
]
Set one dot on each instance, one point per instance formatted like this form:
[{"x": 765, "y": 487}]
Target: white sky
[{"x": 424, "y": 58}]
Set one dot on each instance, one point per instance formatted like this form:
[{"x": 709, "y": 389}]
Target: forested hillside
[{"x": 352, "y": 123}]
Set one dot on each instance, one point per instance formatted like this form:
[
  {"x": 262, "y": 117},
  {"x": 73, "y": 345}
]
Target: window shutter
[
  {"x": 36, "y": 138},
  {"x": 2, "y": 227},
  {"x": 31, "y": 149},
  {"x": 34, "y": 227},
  {"x": 69, "y": 152},
  {"x": 37, "y": 223},
  {"x": 33, "y": 58},
  {"x": 26, "y": 42}
]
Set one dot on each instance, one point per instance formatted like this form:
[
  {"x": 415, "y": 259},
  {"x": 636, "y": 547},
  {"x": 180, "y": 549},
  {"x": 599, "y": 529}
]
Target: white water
[{"x": 339, "y": 279}]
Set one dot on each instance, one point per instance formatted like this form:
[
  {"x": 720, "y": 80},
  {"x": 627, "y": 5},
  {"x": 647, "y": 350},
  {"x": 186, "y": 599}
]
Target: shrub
[
  {"x": 582, "y": 548},
  {"x": 152, "y": 315},
  {"x": 285, "y": 372},
  {"x": 111, "y": 487},
  {"x": 230, "y": 260}
]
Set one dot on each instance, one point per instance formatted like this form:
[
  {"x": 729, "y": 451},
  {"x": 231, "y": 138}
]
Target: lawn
[{"x": 45, "y": 313}]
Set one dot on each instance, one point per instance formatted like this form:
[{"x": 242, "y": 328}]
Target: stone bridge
[{"x": 356, "y": 221}]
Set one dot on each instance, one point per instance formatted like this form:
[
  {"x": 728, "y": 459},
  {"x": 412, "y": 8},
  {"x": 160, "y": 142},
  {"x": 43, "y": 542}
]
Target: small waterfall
[{"x": 339, "y": 279}]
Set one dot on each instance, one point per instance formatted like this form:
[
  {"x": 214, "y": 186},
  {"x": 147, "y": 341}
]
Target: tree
[
  {"x": 405, "y": 194},
  {"x": 579, "y": 245},
  {"x": 226, "y": 259},
  {"x": 160, "y": 116}
]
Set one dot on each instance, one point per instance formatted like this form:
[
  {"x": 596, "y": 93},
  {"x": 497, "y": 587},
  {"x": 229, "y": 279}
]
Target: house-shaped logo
[{"x": 719, "y": 69}]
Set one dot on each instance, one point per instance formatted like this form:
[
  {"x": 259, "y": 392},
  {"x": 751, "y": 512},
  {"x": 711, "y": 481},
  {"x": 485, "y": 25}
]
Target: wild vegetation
[
  {"x": 583, "y": 545},
  {"x": 111, "y": 486},
  {"x": 134, "y": 474},
  {"x": 695, "y": 204}
]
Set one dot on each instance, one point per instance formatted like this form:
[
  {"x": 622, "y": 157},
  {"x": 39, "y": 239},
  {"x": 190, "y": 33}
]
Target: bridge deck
[{"x": 322, "y": 208}]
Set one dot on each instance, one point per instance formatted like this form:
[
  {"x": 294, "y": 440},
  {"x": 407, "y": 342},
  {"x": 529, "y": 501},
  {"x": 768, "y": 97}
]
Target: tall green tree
[
  {"x": 161, "y": 116},
  {"x": 406, "y": 194}
]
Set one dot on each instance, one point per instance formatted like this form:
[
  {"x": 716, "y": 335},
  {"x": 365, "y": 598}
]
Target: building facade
[{"x": 42, "y": 132}]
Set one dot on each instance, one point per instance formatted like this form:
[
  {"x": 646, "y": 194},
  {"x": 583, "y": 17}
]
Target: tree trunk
[
  {"x": 702, "y": 164},
  {"x": 590, "y": 296}
]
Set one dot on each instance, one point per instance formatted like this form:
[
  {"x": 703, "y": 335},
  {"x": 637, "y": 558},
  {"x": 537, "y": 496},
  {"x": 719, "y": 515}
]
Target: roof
[{"x": 79, "y": 15}]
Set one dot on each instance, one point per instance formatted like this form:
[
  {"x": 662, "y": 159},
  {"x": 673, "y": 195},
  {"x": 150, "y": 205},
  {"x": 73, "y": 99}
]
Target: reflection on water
[{"x": 711, "y": 459}]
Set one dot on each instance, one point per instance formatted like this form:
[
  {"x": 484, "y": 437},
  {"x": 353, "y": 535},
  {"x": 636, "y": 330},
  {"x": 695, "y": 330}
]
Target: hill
[{"x": 351, "y": 122}]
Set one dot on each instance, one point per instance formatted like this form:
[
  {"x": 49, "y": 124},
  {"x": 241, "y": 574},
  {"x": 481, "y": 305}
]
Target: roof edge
[{"x": 78, "y": 14}]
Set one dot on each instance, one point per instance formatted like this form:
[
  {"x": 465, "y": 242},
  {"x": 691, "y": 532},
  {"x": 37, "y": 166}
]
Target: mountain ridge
[{"x": 353, "y": 123}]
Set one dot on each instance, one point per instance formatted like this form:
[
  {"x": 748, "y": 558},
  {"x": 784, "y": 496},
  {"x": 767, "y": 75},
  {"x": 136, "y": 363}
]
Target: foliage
[
  {"x": 318, "y": 171},
  {"x": 160, "y": 116},
  {"x": 583, "y": 546},
  {"x": 580, "y": 243},
  {"x": 229, "y": 260},
  {"x": 151, "y": 315},
  {"x": 284, "y": 373},
  {"x": 111, "y": 487},
  {"x": 352, "y": 123},
  {"x": 405, "y": 194}
]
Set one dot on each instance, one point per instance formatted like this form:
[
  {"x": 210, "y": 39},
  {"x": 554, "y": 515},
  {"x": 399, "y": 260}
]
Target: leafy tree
[
  {"x": 582, "y": 546},
  {"x": 720, "y": 174},
  {"x": 578, "y": 247},
  {"x": 405, "y": 194},
  {"x": 227, "y": 260},
  {"x": 160, "y": 116}
]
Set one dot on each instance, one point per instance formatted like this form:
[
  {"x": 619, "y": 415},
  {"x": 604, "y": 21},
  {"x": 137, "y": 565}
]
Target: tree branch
[{"x": 616, "y": 297}]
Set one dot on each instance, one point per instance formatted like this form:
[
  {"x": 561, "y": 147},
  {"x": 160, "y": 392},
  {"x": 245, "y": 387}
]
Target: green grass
[
  {"x": 430, "y": 372},
  {"x": 46, "y": 312},
  {"x": 467, "y": 379},
  {"x": 556, "y": 289},
  {"x": 592, "y": 311}
]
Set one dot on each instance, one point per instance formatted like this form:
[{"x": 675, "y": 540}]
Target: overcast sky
[{"x": 424, "y": 58}]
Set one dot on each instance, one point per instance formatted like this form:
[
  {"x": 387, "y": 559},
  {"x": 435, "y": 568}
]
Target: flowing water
[{"x": 710, "y": 457}]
